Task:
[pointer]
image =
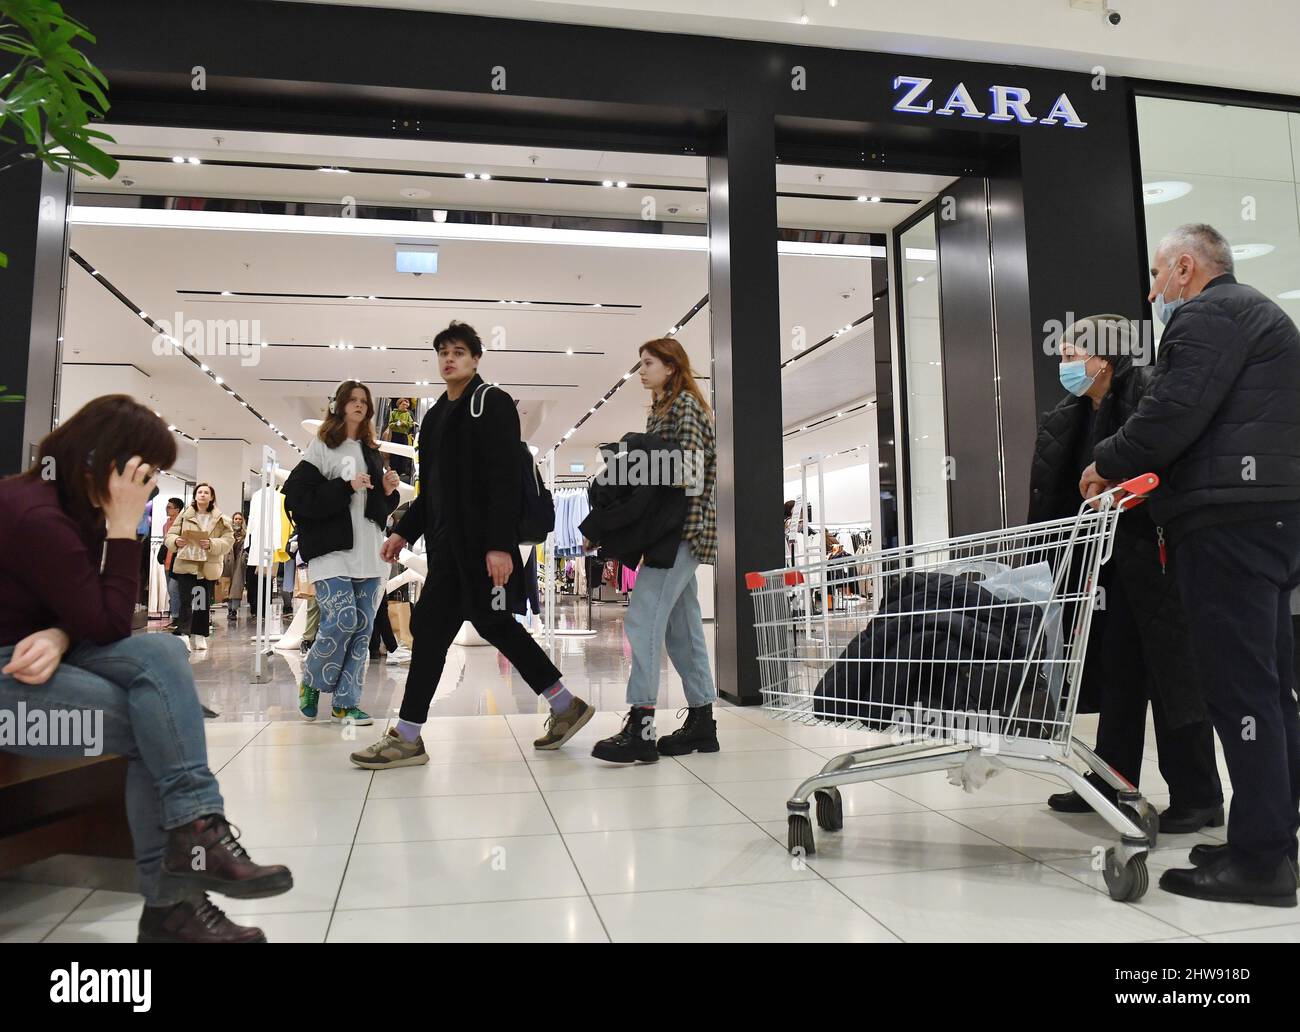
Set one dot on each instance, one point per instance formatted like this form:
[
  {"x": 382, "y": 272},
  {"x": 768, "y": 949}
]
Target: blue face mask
[
  {"x": 1074, "y": 377},
  {"x": 1164, "y": 310}
]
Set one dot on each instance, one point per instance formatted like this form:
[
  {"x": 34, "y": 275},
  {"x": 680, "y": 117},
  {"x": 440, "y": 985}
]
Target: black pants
[
  {"x": 196, "y": 602},
  {"x": 1185, "y": 754},
  {"x": 383, "y": 629},
  {"x": 1235, "y": 583},
  {"x": 253, "y": 585},
  {"x": 435, "y": 622}
]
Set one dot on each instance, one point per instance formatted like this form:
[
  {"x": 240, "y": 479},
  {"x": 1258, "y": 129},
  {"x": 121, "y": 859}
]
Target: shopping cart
[{"x": 969, "y": 659}]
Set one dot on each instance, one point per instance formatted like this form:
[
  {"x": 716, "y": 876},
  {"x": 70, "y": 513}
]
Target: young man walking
[{"x": 468, "y": 511}]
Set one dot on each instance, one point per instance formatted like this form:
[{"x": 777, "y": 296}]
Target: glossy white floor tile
[
  {"x": 526, "y": 920},
  {"x": 678, "y": 858},
  {"x": 495, "y": 841},
  {"x": 812, "y": 912},
  {"x": 476, "y": 870},
  {"x": 1023, "y": 902}
]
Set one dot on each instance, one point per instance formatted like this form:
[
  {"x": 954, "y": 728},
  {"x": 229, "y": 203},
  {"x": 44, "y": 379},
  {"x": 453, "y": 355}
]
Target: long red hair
[{"x": 671, "y": 353}]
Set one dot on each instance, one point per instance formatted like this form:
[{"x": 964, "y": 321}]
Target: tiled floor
[{"x": 493, "y": 841}]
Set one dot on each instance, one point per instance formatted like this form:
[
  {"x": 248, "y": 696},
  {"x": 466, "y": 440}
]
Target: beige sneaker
[
  {"x": 560, "y": 727},
  {"x": 391, "y": 751}
]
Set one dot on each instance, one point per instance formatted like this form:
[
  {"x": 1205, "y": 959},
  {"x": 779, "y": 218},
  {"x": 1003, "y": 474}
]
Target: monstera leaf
[{"x": 50, "y": 93}]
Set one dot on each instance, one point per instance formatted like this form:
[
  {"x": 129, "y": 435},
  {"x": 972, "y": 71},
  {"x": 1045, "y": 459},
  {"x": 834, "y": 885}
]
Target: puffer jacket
[
  {"x": 221, "y": 535},
  {"x": 1152, "y": 593},
  {"x": 1220, "y": 423},
  {"x": 631, "y": 517}
]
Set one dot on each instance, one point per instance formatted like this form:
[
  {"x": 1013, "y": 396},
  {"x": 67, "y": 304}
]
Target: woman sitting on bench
[{"x": 68, "y": 585}]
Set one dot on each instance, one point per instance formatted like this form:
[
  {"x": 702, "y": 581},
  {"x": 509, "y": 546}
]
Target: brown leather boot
[
  {"x": 205, "y": 856},
  {"x": 195, "y": 920}
]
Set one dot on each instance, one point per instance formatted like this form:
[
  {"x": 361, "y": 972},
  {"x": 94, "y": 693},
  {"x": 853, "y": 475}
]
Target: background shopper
[
  {"x": 200, "y": 537},
  {"x": 66, "y": 604},
  {"x": 1142, "y": 651},
  {"x": 339, "y": 496},
  {"x": 165, "y": 556},
  {"x": 665, "y": 607},
  {"x": 232, "y": 566}
]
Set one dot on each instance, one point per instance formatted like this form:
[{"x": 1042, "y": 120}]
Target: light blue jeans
[
  {"x": 338, "y": 657},
  {"x": 665, "y": 610},
  {"x": 144, "y": 689}
]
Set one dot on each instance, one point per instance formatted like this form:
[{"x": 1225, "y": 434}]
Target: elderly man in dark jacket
[
  {"x": 1139, "y": 648},
  {"x": 1220, "y": 424}
]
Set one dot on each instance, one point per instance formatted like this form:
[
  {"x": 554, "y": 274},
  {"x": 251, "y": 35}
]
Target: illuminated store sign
[{"x": 1009, "y": 103}]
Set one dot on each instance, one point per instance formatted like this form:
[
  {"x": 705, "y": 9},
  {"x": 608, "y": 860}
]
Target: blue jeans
[
  {"x": 174, "y": 594},
  {"x": 144, "y": 689},
  {"x": 665, "y": 610},
  {"x": 338, "y": 657}
]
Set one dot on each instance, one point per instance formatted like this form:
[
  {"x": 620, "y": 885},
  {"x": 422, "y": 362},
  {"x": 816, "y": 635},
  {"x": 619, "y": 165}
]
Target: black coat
[
  {"x": 1154, "y": 604},
  {"x": 1220, "y": 423},
  {"x": 319, "y": 506},
  {"x": 478, "y": 495},
  {"x": 629, "y": 518},
  {"x": 941, "y": 643}
]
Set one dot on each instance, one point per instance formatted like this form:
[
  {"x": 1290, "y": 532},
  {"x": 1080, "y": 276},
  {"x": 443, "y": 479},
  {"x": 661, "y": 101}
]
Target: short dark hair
[
  {"x": 178, "y": 502},
  {"x": 459, "y": 333}
]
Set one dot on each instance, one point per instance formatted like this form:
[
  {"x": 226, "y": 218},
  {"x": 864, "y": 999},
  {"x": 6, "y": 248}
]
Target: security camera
[
  {"x": 1113, "y": 17},
  {"x": 673, "y": 210}
]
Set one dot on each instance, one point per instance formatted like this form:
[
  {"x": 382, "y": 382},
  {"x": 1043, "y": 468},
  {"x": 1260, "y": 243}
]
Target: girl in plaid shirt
[{"x": 664, "y": 609}]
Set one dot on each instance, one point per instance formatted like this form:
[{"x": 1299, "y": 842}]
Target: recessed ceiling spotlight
[
  {"x": 607, "y": 182},
  {"x": 1165, "y": 190},
  {"x": 193, "y": 161},
  {"x": 484, "y": 175},
  {"x": 622, "y": 185},
  {"x": 1244, "y": 252},
  {"x": 225, "y": 293},
  {"x": 862, "y": 197},
  {"x": 179, "y": 161},
  {"x": 439, "y": 215},
  {"x": 568, "y": 351},
  {"x": 469, "y": 175}
]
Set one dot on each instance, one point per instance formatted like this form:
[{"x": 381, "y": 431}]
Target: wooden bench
[{"x": 49, "y": 807}]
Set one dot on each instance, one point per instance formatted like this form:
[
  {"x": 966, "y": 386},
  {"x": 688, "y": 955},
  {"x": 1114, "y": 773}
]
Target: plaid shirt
[{"x": 689, "y": 425}]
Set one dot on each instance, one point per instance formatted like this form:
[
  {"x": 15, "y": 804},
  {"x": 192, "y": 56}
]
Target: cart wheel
[
  {"x": 800, "y": 836},
  {"x": 830, "y": 809},
  {"x": 1128, "y": 883},
  {"x": 1149, "y": 822}
]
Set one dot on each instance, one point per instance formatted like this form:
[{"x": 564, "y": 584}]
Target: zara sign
[{"x": 1009, "y": 103}]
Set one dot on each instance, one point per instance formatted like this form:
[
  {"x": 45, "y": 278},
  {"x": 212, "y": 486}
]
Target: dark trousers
[
  {"x": 1185, "y": 754},
  {"x": 435, "y": 622},
  {"x": 383, "y": 629},
  {"x": 1235, "y": 583},
  {"x": 253, "y": 585},
  {"x": 196, "y": 601}
]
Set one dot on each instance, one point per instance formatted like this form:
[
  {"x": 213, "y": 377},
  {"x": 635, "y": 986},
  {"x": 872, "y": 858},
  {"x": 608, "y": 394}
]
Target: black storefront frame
[{"x": 369, "y": 71}]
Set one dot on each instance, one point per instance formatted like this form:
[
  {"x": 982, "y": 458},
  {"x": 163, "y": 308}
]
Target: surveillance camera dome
[
  {"x": 673, "y": 210},
  {"x": 1113, "y": 17}
]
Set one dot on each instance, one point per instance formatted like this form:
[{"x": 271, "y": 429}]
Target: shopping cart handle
[
  {"x": 1129, "y": 494},
  {"x": 755, "y": 581}
]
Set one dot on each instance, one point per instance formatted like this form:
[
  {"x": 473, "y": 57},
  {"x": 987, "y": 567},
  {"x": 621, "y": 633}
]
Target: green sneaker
[
  {"x": 307, "y": 700},
  {"x": 352, "y": 715},
  {"x": 391, "y": 751}
]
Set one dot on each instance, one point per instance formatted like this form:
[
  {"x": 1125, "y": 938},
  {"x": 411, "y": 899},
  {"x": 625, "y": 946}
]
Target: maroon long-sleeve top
[{"x": 50, "y": 570}]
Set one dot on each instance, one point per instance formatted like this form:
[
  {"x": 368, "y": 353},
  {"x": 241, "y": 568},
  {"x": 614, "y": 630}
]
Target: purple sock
[
  {"x": 558, "y": 697},
  {"x": 407, "y": 731}
]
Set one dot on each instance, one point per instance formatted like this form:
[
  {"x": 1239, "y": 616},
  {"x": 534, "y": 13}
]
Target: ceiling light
[
  {"x": 875, "y": 200},
  {"x": 469, "y": 175},
  {"x": 1244, "y": 252},
  {"x": 179, "y": 161},
  {"x": 1290, "y": 295},
  {"x": 920, "y": 279},
  {"x": 144, "y": 314},
  {"x": 203, "y": 367},
  {"x": 1164, "y": 190},
  {"x": 484, "y": 175},
  {"x": 220, "y": 380},
  {"x": 568, "y": 351},
  {"x": 862, "y": 197},
  {"x": 225, "y": 293},
  {"x": 439, "y": 215},
  {"x": 608, "y": 182},
  {"x": 622, "y": 185},
  {"x": 193, "y": 161}
]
